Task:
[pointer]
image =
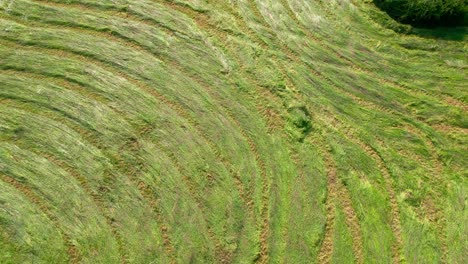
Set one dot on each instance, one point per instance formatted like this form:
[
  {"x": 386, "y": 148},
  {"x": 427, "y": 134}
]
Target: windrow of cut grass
[{"x": 240, "y": 131}]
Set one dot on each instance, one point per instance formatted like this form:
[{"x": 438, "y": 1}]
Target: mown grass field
[{"x": 229, "y": 131}]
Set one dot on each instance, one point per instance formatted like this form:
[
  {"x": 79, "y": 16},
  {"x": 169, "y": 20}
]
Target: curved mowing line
[
  {"x": 145, "y": 191},
  {"x": 171, "y": 105},
  {"x": 136, "y": 45},
  {"x": 395, "y": 219},
  {"x": 99, "y": 201},
  {"x": 439, "y": 186},
  {"x": 396, "y": 226},
  {"x": 338, "y": 193},
  {"x": 123, "y": 13},
  {"x": 246, "y": 30},
  {"x": 271, "y": 117},
  {"x": 221, "y": 253},
  {"x": 448, "y": 100},
  {"x": 329, "y": 121},
  {"x": 132, "y": 178},
  {"x": 238, "y": 182},
  {"x": 203, "y": 22},
  {"x": 263, "y": 256},
  {"x": 95, "y": 197},
  {"x": 174, "y": 64},
  {"x": 72, "y": 251},
  {"x": 61, "y": 82},
  {"x": 352, "y": 222},
  {"x": 371, "y": 152}
]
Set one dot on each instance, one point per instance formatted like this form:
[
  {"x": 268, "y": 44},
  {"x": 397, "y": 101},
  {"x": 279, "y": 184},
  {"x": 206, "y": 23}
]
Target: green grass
[{"x": 203, "y": 131}]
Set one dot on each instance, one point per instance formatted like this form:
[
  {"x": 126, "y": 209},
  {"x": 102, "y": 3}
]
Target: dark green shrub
[{"x": 426, "y": 12}]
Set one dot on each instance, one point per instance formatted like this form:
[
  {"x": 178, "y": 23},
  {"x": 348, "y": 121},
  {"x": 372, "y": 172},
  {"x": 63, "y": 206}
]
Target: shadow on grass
[{"x": 445, "y": 33}]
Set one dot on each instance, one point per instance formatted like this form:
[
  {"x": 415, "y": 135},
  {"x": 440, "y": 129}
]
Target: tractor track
[{"x": 326, "y": 249}]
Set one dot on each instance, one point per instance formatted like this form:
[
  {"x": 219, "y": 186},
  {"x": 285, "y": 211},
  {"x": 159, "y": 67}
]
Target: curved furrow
[
  {"x": 173, "y": 106},
  {"x": 98, "y": 201},
  {"x": 37, "y": 228},
  {"x": 73, "y": 253},
  {"x": 326, "y": 123},
  {"x": 358, "y": 247},
  {"x": 151, "y": 91},
  {"x": 366, "y": 104},
  {"x": 337, "y": 193},
  {"x": 263, "y": 256},
  {"x": 294, "y": 55},
  {"x": 395, "y": 219},
  {"x": 203, "y": 21},
  {"x": 118, "y": 30},
  {"x": 132, "y": 170},
  {"x": 77, "y": 88},
  {"x": 344, "y": 199},
  {"x": 144, "y": 188},
  {"x": 39, "y": 177}
]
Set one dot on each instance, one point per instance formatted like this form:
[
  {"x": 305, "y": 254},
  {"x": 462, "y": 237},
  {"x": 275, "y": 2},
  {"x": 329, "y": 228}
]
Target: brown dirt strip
[
  {"x": 72, "y": 251},
  {"x": 337, "y": 192},
  {"x": 447, "y": 129},
  {"x": 352, "y": 222},
  {"x": 326, "y": 250}
]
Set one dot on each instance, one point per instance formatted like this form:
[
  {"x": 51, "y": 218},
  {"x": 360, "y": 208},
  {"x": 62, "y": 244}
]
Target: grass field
[{"x": 230, "y": 131}]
